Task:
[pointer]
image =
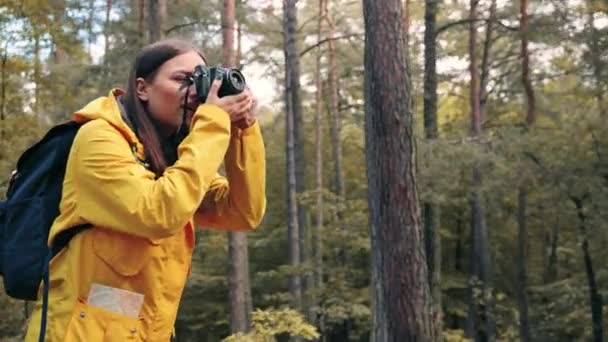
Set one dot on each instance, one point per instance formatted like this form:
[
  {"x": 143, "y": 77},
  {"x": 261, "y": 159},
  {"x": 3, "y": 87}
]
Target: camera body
[{"x": 233, "y": 81}]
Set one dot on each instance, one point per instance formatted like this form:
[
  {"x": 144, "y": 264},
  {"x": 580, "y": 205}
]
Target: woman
[{"x": 143, "y": 187}]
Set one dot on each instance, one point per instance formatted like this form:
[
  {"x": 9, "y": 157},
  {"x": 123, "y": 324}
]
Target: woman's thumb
[{"x": 215, "y": 87}]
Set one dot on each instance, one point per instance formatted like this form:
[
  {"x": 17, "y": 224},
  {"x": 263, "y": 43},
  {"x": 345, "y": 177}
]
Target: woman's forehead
[{"x": 185, "y": 62}]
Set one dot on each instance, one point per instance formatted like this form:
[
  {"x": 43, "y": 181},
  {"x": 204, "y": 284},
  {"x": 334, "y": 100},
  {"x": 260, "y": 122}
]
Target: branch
[
  {"x": 444, "y": 27},
  {"x": 325, "y": 40},
  {"x": 510, "y": 28}
]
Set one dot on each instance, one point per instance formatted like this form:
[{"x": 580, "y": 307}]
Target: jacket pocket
[
  {"x": 92, "y": 324},
  {"x": 125, "y": 254}
]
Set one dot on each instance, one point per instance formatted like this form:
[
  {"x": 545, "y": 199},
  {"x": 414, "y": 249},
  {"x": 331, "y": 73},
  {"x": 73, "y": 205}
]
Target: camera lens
[{"x": 236, "y": 80}]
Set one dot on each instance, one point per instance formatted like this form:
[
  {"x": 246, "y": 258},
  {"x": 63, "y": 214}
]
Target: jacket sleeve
[
  {"x": 238, "y": 202},
  {"x": 113, "y": 190}
]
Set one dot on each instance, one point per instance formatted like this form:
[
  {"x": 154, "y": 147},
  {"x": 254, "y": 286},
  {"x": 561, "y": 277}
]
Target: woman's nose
[{"x": 192, "y": 94}]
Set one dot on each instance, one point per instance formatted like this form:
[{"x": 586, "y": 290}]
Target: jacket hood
[{"x": 107, "y": 108}]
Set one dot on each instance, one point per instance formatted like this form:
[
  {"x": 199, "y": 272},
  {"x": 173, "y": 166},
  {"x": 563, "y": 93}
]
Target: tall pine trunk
[
  {"x": 401, "y": 297},
  {"x": 485, "y": 62},
  {"x": 106, "y": 31},
  {"x": 596, "y": 62},
  {"x": 335, "y": 123},
  {"x": 238, "y": 256},
  {"x": 480, "y": 320},
  {"x": 595, "y": 297},
  {"x": 157, "y": 16},
  {"x": 431, "y": 210},
  {"x": 316, "y": 315},
  {"x": 522, "y": 272},
  {"x": 3, "y": 87},
  {"x": 292, "y": 114}
]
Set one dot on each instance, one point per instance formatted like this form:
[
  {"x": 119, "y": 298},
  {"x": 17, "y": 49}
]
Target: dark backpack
[{"x": 31, "y": 206}]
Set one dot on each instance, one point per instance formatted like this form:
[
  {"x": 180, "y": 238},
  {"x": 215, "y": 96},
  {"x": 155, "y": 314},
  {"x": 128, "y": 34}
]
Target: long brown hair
[{"x": 146, "y": 66}]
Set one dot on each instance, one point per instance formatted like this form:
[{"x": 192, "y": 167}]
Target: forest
[{"x": 436, "y": 170}]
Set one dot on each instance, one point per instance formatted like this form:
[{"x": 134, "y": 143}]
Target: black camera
[{"x": 233, "y": 81}]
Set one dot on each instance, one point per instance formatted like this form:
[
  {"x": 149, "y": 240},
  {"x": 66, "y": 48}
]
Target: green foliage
[{"x": 266, "y": 324}]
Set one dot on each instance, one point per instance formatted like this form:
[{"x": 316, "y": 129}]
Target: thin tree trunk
[
  {"x": 106, "y": 30},
  {"x": 431, "y": 210},
  {"x": 401, "y": 309},
  {"x": 485, "y": 62},
  {"x": 157, "y": 16},
  {"x": 595, "y": 297},
  {"x": 524, "y": 22},
  {"x": 335, "y": 125},
  {"x": 522, "y": 274},
  {"x": 480, "y": 320},
  {"x": 315, "y": 314},
  {"x": 551, "y": 274},
  {"x": 522, "y": 293},
  {"x": 458, "y": 249},
  {"x": 238, "y": 272},
  {"x": 142, "y": 20},
  {"x": 37, "y": 72},
  {"x": 596, "y": 52},
  {"x": 292, "y": 109},
  {"x": 3, "y": 90}
]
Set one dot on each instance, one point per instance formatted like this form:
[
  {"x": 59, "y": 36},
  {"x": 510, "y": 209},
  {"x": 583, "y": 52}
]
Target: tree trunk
[
  {"x": 431, "y": 210},
  {"x": 238, "y": 256},
  {"x": 3, "y": 89},
  {"x": 525, "y": 57},
  {"x": 142, "y": 20},
  {"x": 480, "y": 320},
  {"x": 400, "y": 295},
  {"x": 37, "y": 71},
  {"x": 157, "y": 16},
  {"x": 522, "y": 274},
  {"x": 596, "y": 53},
  {"x": 485, "y": 62},
  {"x": 595, "y": 297},
  {"x": 106, "y": 30},
  {"x": 522, "y": 292},
  {"x": 335, "y": 125},
  {"x": 551, "y": 273},
  {"x": 292, "y": 113},
  {"x": 458, "y": 249},
  {"x": 315, "y": 315}
]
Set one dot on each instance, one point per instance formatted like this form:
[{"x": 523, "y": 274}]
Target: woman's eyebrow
[{"x": 183, "y": 72}]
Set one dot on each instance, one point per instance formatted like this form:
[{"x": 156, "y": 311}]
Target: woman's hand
[
  {"x": 249, "y": 117},
  {"x": 237, "y": 106}
]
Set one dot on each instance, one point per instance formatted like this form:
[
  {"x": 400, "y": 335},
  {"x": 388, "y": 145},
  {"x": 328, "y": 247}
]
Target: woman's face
[{"x": 164, "y": 94}]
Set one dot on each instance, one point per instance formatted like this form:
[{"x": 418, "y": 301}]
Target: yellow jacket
[{"x": 143, "y": 232}]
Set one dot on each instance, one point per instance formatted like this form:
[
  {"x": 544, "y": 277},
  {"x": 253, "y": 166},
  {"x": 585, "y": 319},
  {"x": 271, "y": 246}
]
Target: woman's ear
[{"x": 141, "y": 88}]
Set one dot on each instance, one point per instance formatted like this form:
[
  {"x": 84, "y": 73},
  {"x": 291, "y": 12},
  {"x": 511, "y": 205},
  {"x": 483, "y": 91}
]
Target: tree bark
[
  {"x": 431, "y": 210},
  {"x": 3, "y": 90},
  {"x": 292, "y": 113},
  {"x": 485, "y": 62},
  {"x": 315, "y": 314},
  {"x": 522, "y": 274},
  {"x": 480, "y": 320},
  {"x": 401, "y": 297},
  {"x": 106, "y": 31},
  {"x": 142, "y": 20},
  {"x": 595, "y": 297},
  {"x": 522, "y": 291},
  {"x": 157, "y": 16},
  {"x": 238, "y": 255},
  {"x": 335, "y": 124},
  {"x": 524, "y": 23},
  {"x": 37, "y": 71},
  {"x": 596, "y": 62}
]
